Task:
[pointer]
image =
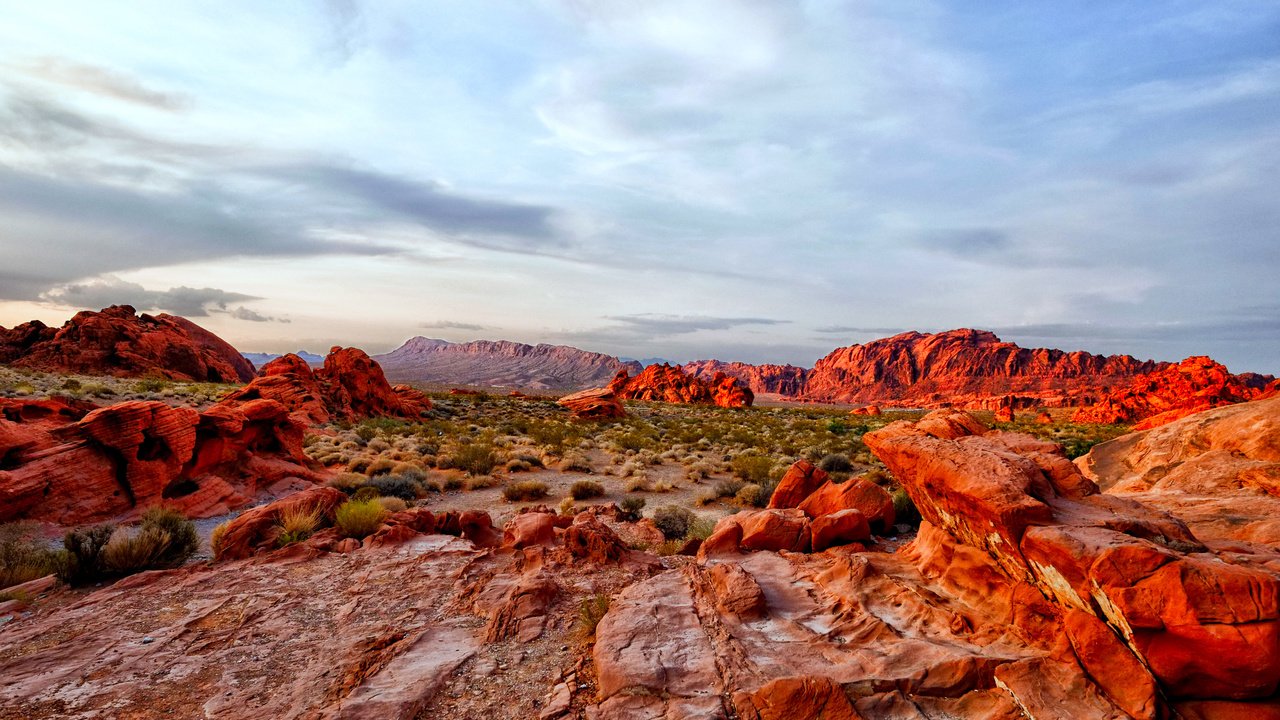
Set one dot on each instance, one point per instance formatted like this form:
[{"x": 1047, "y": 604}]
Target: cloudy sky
[{"x": 757, "y": 181}]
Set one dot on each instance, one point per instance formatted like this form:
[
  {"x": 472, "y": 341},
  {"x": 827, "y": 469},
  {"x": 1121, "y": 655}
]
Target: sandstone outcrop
[
  {"x": 666, "y": 383},
  {"x": 1191, "y": 386},
  {"x": 117, "y": 341},
  {"x": 350, "y": 385},
  {"x": 785, "y": 380},
  {"x": 597, "y": 404},
  {"x": 501, "y": 363},
  {"x": 73, "y": 463},
  {"x": 965, "y": 368}
]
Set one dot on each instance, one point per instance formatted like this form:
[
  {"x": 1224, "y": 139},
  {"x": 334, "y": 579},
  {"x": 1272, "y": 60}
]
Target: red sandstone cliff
[
  {"x": 1193, "y": 385},
  {"x": 117, "y": 341},
  {"x": 967, "y": 368}
]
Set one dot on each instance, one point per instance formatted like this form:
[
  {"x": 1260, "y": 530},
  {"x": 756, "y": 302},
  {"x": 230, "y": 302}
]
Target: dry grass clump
[
  {"x": 476, "y": 458},
  {"x": 590, "y": 613},
  {"x": 575, "y": 462},
  {"x": 524, "y": 491},
  {"x": 380, "y": 466},
  {"x": 216, "y": 537},
  {"x": 296, "y": 523},
  {"x": 164, "y": 539},
  {"x": 632, "y": 509},
  {"x": 393, "y": 504},
  {"x": 482, "y": 482},
  {"x": 586, "y": 489},
  {"x": 23, "y": 556},
  {"x": 674, "y": 521},
  {"x": 359, "y": 518}
]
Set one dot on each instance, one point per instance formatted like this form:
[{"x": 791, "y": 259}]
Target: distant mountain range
[
  {"x": 501, "y": 363},
  {"x": 260, "y": 359}
]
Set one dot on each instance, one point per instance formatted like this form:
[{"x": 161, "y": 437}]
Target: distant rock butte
[
  {"x": 1174, "y": 392},
  {"x": 501, "y": 363},
  {"x": 667, "y": 383},
  {"x": 965, "y": 368},
  {"x": 260, "y": 358},
  {"x": 117, "y": 341},
  {"x": 73, "y": 463},
  {"x": 775, "y": 379}
]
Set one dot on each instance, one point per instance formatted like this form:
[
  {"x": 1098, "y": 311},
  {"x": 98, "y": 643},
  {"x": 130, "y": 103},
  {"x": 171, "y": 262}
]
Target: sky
[{"x": 743, "y": 180}]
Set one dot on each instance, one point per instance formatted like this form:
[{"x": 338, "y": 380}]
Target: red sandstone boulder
[
  {"x": 839, "y": 528},
  {"x": 867, "y": 410},
  {"x": 1174, "y": 392},
  {"x": 116, "y": 341},
  {"x": 774, "y": 530},
  {"x": 591, "y": 540},
  {"x": 1004, "y": 411},
  {"x": 1044, "y": 418},
  {"x": 799, "y": 482},
  {"x": 596, "y": 404},
  {"x": 797, "y": 698},
  {"x": 529, "y": 529},
  {"x": 870, "y": 500},
  {"x": 256, "y": 529},
  {"x": 669, "y": 384}
]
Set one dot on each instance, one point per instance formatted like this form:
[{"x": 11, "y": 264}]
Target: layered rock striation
[{"x": 117, "y": 341}]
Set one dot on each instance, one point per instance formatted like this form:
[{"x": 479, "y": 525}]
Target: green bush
[
  {"x": 476, "y": 458},
  {"x": 348, "y": 482},
  {"x": 835, "y": 462},
  {"x": 730, "y": 488},
  {"x": 904, "y": 509},
  {"x": 297, "y": 523},
  {"x": 586, "y": 489},
  {"x": 183, "y": 540},
  {"x": 84, "y": 553},
  {"x": 632, "y": 509},
  {"x": 590, "y": 613},
  {"x": 405, "y": 487},
  {"x": 756, "y": 469},
  {"x": 366, "y": 493},
  {"x": 359, "y": 518},
  {"x": 127, "y": 553},
  {"x": 674, "y": 521},
  {"x": 24, "y": 557},
  {"x": 750, "y": 494},
  {"x": 525, "y": 490}
]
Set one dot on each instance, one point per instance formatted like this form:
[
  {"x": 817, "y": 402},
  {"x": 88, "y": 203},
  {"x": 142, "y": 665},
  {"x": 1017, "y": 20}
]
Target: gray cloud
[
  {"x": 853, "y": 330},
  {"x": 103, "y": 81},
  {"x": 659, "y": 325},
  {"x": 186, "y": 301},
  {"x": 244, "y": 313},
  {"x": 967, "y": 243},
  {"x": 451, "y": 325}
]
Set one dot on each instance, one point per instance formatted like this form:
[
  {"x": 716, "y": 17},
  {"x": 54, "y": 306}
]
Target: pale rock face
[{"x": 501, "y": 363}]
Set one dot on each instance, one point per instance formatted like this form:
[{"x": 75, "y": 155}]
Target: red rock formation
[
  {"x": 1174, "y": 392},
  {"x": 118, "y": 342},
  {"x": 597, "y": 404},
  {"x": 867, "y": 410},
  {"x": 1193, "y": 620},
  {"x": 1044, "y": 418},
  {"x": 800, "y": 480},
  {"x": 501, "y": 364},
  {"x": 1004, "y": 411},
  {"x": 669, "y": 384},
  {"x": 349, "y": 386},
  {"x": 774, "y": 379},
  {"x": 963, "y": 368}
]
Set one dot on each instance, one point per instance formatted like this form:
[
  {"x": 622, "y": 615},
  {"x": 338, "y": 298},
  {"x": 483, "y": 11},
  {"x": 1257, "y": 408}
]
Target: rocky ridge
[
  {"x": 1173, "y": 392},
  {"x": 500, "y": 363},
  {"x": 667, "y": 383},
  {"x": 775, "y": 379},
  {"x": 118, "y": 341}
]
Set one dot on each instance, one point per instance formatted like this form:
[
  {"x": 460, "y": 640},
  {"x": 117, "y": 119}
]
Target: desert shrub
[
  {"x": 730, "y": 488},
  {"x": 586, "y": 489},
  {"x": 126, "y": 553},
  {"x": 756, "y": 469},
  {"x": 674, "y": 521},
  {"x": 365, "y": 433},
  {"x": 366, "y": 493},
  {"x": 700, "y": 529},
  {"x": 393, "y": 504},
  {"x": 359, "y": 464},
  {"x": 453, "y": 483},
  {"x": 662, "y": 486},
  {"x": 749, "y": 494},
  {"x": 567, "y": 507},
  {"x": 524, "y": 490},
  {"x": 348, "y": 482},
  {"x": 837, "y": 427},
  {"x": 84, "y": 547},
  {"x": 638, "y": 484},
  {"x": 23, "y": 556},
  {"x": 476, "y": 458},
  {"x": 150, "y": 385},
  {"x": 904, "y": 509},
  {"x": 707, "y": 498},
  {"x": 632, "y": 509},
  {"x": 835, "y": 462},
  {"x": 482, "y": 482},
  {"x": 216, "y": 537},
  {"x": 590, "y": 612},
  {"x": 575, "y": 462},
  {"x": 71, "y": 385},
  {"x": 380, "y": 466},
  {"x": 297, "y": 523},
  {"x": 405, "y": 487},
  {"x": 183, "y": 540},
  {"x": 518, "y": 466},
  {"x": 878, "y": 477},
  {"x": 359, "y": 518}
]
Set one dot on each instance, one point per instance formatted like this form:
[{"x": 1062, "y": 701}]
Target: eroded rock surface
[
  {"x": 1153, "y": 399},
  {"x": 666, "y": 383},
  {"x": 118, "y": 341},
  {"x": 597, "y": 404}
]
